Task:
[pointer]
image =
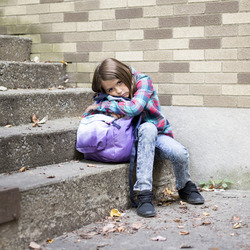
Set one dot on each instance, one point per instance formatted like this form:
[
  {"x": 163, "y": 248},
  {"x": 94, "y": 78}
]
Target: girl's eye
[
  {"x": 110, "y": 90},
  {"x": 119, "y": 83}
]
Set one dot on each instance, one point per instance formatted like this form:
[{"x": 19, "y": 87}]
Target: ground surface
[{"x": 221, "y": 223}]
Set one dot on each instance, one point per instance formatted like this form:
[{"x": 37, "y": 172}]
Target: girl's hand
[
  {"x": 116, "y": 116},
  {"x": 91, "y": 107}
]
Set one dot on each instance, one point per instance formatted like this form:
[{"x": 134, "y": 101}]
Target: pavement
[{"x": 222, "y": 222}]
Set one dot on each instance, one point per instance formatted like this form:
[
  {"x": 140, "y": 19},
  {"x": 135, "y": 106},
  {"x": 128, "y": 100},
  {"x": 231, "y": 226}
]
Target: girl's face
[{"x": 115, "y": 87}]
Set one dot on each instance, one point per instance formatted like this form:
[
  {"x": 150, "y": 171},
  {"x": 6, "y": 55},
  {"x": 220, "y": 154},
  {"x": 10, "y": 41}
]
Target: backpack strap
[{"x": 137, "y": 122}]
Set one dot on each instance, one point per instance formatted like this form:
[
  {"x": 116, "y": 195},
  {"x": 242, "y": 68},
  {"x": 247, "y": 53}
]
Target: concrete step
[
  {"x": 29, "y": 146},
  {"x": 14, "y": 48},
  {"x": 76, "y": 195},
  {"x": 31, "y": 75},
  {"x": 17, "y": 106}
]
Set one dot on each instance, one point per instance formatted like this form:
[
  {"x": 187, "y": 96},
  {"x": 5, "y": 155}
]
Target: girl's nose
[{"x": 119, "y": 90}]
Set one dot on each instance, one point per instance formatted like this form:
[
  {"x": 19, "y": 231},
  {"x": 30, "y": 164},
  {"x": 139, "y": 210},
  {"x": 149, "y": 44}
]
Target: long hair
[{"x": 111, "y": 69}]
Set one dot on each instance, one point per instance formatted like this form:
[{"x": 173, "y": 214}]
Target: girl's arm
[{"x": 138, "y": 102}]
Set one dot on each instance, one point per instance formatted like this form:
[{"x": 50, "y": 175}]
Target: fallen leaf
[
  {"x": 120, "y": 229},
  {"x": 23, "y": 169},
  {"x": 115, "y": 213},
  {"x": 177, "y": 220},
  {"x": 205, "y": 223},
  {"x": 34, "y": 118},
  {"x": 236, "y": 218},
  {"x": 181, "y": 227},
  {"x": 44, "y": 120},
  {"x": 215, "y": 208},
  {"x": 183, "y": 203},
  {"x": 91, "y": 165},
  {"x": 237, "y": 225},
  {"x": 185, "y": 246},
  {"x": 136, "y": 225},
  {"x": 109, "y": 228},
  {"x": 169, "y": 192},
  {"x": 64, "y": 62},
  {"x": 51, "y": 176},
  {"x": 159, "y": 238},
  {"x": 2, "y": 88},
  {"x": 61, "y": 87},
  {"x": 50, "y": 241},
  {"x": 34, "y": 245},
  {"x": 206, "y": 214},
  {"x": 88, "y": 235},
  {"x": 8, "y": 126},
  {"x": 183, "y": 232}
]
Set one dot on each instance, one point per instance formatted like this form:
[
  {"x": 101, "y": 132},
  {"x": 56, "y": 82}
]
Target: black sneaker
[
  {"x": 190, "y": 194},
  {"x": 145, "y": 204}
]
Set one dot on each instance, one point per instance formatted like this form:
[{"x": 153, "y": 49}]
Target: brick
[
  {"x": 76, "y": 57},
  {"x": 174, "y": 67},
  {"x": 115, "y": 24},
  {"x": 189, "y": 9},
  {"x": 54, "y": 57},
  {"x": 204, "y": 89},
  {"x": 9, "y": 20},
  {"x": 100, "y": 56},
  {"x": 158, "y": 33},
  {"x": 144, "y": 45},
  {"x": 244, "y": 78},
  {"x": 220, "y": 54},
  {"x": 89, "y": 46},
  {"x": 17, "y": 29},
  {"x": 89, "y": 26},
  {"x": 76, "y": 17},
  {"x": 205, "y": 20},
  {"x": 128, "y": 13},
  {"x": 21, "y": 2},
  {"x": 173, "y": 44},
  {"x": 52, "y": 38},
  {"x": 79, "y": 77},
  {"x": 101, "y": 15},
  {"x": 188, "y": 55},
  {"x": 205, "y": 66},
  {"x": 38, "y": 9},
  {"x": 236, "y": 66},
  {"x": 243, "y": 102},
  {"x": 244, "y": 29},
  {"x": 236, "y": 89},
  {"x": 64, "y": 47},
  {"x": 157, "y": 11},
  {"x": 171, "y": 1},
  {"x": 129, "y": 56},
  {"x": 128, "y": 34},
  {"x": 196, "y": 1},
  {"x": 15, "y": 10},
  {"x": 161, "y": 77},
  {"x": 187, "y": 100},
  {"x": 173, "y": 21},
  {"x": 65, "y": 27},
  {"x": 188, "y": 32},
  {"x": 115, "y": 46},
  {"x": 51, "y": 18},
  {"x": 86, "y": 67},
  {"x": 146, "y": 67},
  {"x": 221, "y": 78},
  {"x": 102, "y": 36},
  {"x": 212, "y": 43},
  {"x": 189, "y": 77},
  {"x": 62, "y": 7},
  {"x": 221, "y": 7},
  {"x": 227, "y": 30},
  {"x": 29, "y": 19},
  {"x": 51, "y": 1},
  {"x": 143, "y": 23},
  {"x": 87, "y": 5},
  {"x": 220, "y": 101},
  {"x": 111, "y": 4},
  {"x": 39, "y": 48},
  {"x": 35, "y": 38},
  {"x": 158, "y": 55},
  {"x": 236, "y": 18},
  {"x": 235, "y": 42},
  {"x": 244, "y": 5},
  {"x": 171, "y": 89},
  {"x": 141, "y": 2},
  {"x": 165, "y": 100},
  {"x": 76, "y": 36}
]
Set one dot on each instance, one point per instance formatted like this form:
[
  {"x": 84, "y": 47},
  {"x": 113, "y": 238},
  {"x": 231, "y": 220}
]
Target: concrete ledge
[
  {"x": 31, "y": 75},
  {"x": 217, "y": 140},
  {"x": 14, "y": 48},
  {"x": 56, "y": 103},
  {"x": 76, "y": 196}
]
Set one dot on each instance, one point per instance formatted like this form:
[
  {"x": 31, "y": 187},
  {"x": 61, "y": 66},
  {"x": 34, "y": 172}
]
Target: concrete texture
[
  {"x": 217, "y": 140},
  {"x": 62, "y": 197},
  {"x": 208, "y": 226},
  {"x": 56, "y": 103},
  {"x": 14, "y": 48},
  {"x": 31, "y": 75}
]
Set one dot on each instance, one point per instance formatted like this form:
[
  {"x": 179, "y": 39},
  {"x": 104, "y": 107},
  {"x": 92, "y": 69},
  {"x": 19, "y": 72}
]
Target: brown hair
[{"x": 110, "y": 69}]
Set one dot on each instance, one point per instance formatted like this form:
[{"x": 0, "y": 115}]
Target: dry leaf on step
[
  {"x": 159, "y": 238},
  {"x": 34, "y": 245}
]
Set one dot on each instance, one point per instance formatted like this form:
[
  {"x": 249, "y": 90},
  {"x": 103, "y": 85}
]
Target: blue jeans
[{"x": 151, "y": 145}]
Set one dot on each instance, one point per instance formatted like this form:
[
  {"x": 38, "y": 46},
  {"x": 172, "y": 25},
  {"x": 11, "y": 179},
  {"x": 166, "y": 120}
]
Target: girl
[{"x": 155, "y": 135}]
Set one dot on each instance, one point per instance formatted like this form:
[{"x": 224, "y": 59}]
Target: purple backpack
[{"x": 103, "y": 138}]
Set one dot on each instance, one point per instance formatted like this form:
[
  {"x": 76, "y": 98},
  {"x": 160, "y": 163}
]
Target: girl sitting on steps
[{"x": 155, "y": 137}]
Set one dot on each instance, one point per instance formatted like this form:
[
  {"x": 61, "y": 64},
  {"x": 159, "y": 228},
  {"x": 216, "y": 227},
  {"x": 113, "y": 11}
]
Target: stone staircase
[{"x": 58, "y": 192}]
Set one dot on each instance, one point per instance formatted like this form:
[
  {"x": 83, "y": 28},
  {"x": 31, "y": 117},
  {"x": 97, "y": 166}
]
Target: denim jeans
[{"x": 151, "y": 145}]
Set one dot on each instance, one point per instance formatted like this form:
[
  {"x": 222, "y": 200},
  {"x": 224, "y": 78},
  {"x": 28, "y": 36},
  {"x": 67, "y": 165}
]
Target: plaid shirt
[{"x": 145, "y": 101}]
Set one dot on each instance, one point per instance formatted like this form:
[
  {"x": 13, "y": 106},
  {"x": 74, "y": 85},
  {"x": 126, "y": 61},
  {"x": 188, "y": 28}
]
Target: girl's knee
[{"x": 147, "y": 129}]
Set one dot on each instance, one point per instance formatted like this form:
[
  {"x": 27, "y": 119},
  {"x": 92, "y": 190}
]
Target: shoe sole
[{"x": 146, "y": 215}]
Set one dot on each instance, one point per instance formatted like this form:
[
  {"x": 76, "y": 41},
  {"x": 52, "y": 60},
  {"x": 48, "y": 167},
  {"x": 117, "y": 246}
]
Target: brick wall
[{"x": 197, "y": 52}]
